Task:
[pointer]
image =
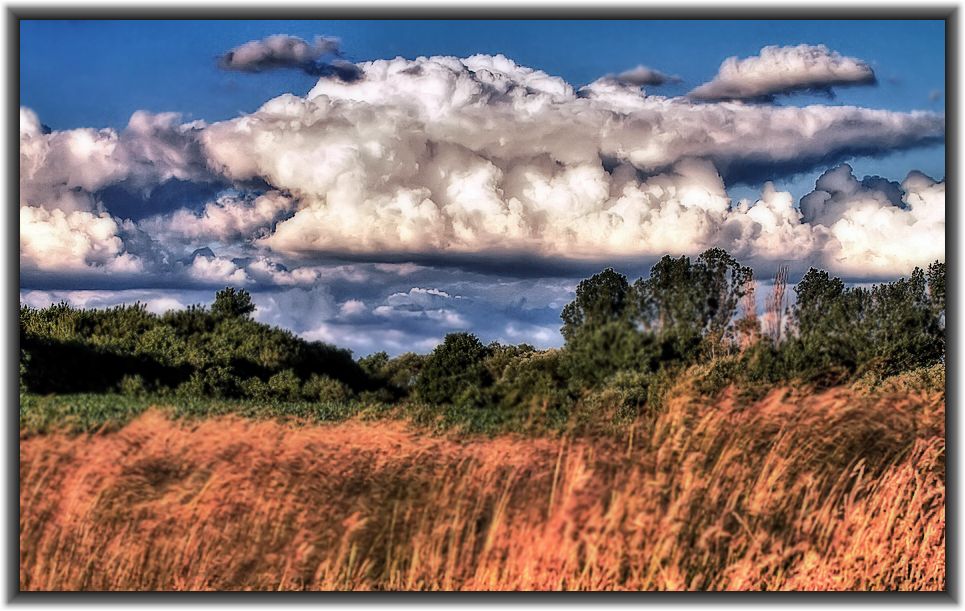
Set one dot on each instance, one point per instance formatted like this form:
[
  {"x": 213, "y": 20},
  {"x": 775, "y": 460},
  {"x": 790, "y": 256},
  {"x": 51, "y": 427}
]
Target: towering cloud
[
  {"x": 875, "y": 227},
  {"x": 282, "y": 51},
  {"x": 784, "y": 70}
]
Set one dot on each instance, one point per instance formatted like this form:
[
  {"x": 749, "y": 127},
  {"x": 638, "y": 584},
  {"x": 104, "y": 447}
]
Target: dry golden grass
[{"x": 831, "y": 491}]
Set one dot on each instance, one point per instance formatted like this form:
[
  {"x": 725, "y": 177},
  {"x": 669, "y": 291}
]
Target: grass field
[{"x": 837, "y": 490}]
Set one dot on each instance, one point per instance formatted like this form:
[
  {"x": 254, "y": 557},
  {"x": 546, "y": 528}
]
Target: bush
[
  {"x": 454, "y": 367},
  {"x": 532, "y": 383},
  {"x": 133, "y": 386},
  {"x": 93, "y": 350},
  {"x": 194, "y": 386},
  {"x": 593, "y": 354},
  {"x": 326, "y": 390},
  {"x": 256, "y": 388},
  {"x": 616, "y": 403},
  {"x": 216, "y": 381},
  {"x": 24, "y": 371},
  {"x": 374, "y": 365},
  {"x": 401, "y": 374},
  {"x": 285, "y": 385}
]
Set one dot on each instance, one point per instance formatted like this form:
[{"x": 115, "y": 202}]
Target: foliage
[
  {"x": 454, "y": 370},
  {"x": 889, "y": 328},
  {"x": 627, "y": 346},
  {"x": 326, "y": 390},
  {"x": 936, "y": 284},
  {"x": 229, "y": 303},
  {"x": 600, "y": 300},
  {"x": 198, "y": 353},
  {"x": 690, "y": 306}
]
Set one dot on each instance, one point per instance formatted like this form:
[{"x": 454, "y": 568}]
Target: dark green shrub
[
  {"x": 255, "y": 388},
  {"x": 455, "y": 366},
  {"x": 374, "y": 364},
  {"x": 401, "y": 373},
  {"x": 593, "y": 354},
  {"x": 215, "y": 381},
  {"x": 24, "y": 371}
]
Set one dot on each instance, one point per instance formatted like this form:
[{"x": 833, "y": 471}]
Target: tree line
[{"x": 624, "y": 343}]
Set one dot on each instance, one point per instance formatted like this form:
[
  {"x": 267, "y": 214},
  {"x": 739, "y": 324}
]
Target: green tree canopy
[
  {"x": 689, "y": 303},
  {"x": 600, "y": 299},
  {"x": 231, "y": 303},
  {"x": 454, "y": 366}
]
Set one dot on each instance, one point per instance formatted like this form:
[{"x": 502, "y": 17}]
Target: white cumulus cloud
[
  {"x": 72, "y": 241},
  {"x": 227, "y": 218},
  {"x": 448, "y": 156}
]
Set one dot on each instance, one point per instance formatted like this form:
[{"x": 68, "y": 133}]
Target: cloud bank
[
  {"x": 439, "y": 157},
  {"x": 480, "y": 155},
  {"x": 784, "y": 70}
]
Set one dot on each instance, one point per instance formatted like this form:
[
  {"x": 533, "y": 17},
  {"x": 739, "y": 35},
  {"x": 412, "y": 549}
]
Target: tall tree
[
  {"x": 600, "y": 299},
  {"x": 692, "y": 303},
  {"x": 231, "y": 303}
]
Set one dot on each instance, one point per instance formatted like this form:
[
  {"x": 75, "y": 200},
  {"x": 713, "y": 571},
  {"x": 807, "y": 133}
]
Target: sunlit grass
[{"x": 838, "y": 490}]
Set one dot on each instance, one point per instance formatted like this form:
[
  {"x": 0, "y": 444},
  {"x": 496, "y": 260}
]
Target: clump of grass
[
  {"x": 920, "y": 379},
  {"x": 835, "y": 490}
]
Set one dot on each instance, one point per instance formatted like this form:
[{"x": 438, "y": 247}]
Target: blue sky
[
  {"x": 96, "y": 74},
  {"x": 109, "y": 69}
]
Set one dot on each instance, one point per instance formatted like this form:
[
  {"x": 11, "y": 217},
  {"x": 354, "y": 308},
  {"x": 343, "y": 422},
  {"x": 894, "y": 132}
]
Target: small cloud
[
  {"x": 642, "y": 76},
  {"x": 352, "y": 307},
  {"x": 208, "y": 268},
  {"x": 418, "y": 297},
  {"x": 402, "y": 269},
  {"x": 282, "y": 51},
  {"x": 782, "y": 71}
]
